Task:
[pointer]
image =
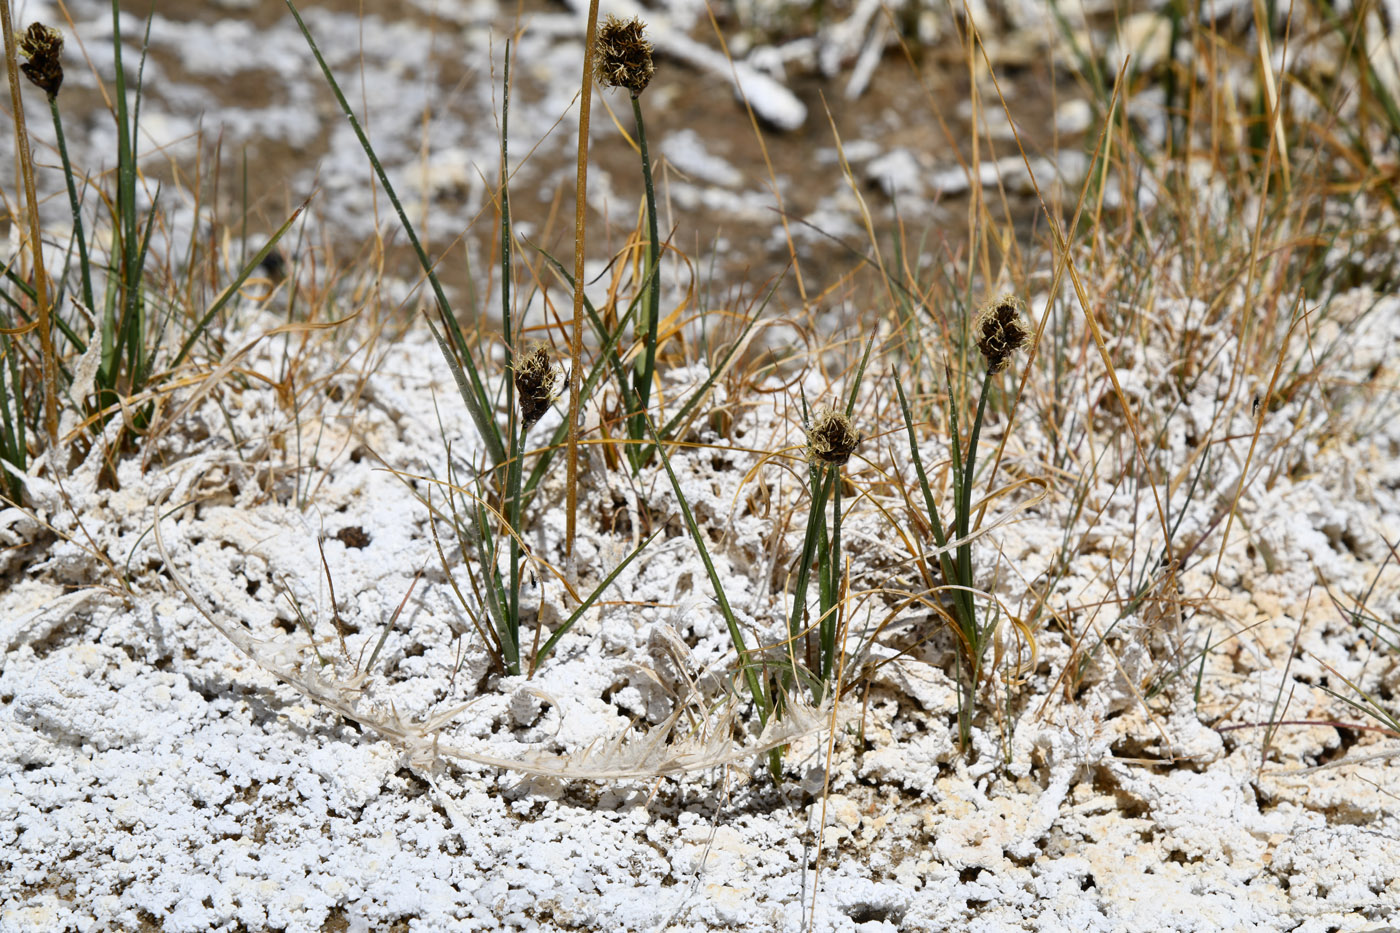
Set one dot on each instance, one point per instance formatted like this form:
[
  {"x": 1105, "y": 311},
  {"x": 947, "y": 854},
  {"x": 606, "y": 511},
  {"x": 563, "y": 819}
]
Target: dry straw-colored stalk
[
  {"x": 576, "y": 337},
  {"x": 49, "y": 362}
]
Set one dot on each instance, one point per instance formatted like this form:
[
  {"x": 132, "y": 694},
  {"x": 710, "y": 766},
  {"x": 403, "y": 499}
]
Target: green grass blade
[
  {"x": 74, "y": 203},
  {"x": 609, "y": 340},
  {"x": 860, "y": 375},
  {"x": 515, "y": 429},
  {"x": 464, "y": 371},
  {"x": 13, "y": 447},
  {"x": 810, "y": 542},
  {"x": 940, "y": 538},
  {"x": 964, "y": 510},
  {"x": 736, "y": 634},
  {"x": 833, "y": 583}
]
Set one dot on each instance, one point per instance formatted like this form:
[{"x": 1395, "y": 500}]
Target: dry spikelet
[
  {"x": 535, "y": 378},
  {"x": 1000, "y": 332},
  {"x": 622, "y": 55},
  {"x": 831, "y": 439},
  {"x": 41, "y": 46}
]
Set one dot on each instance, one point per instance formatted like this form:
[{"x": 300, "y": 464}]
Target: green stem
[
  {"x": 126, "y": 171},
  {"x": 965, "y": 693},
  {"x": 488, "y": 557},
  {"x": 971, "y": 669},
  {"x": 646, "y": 368},
  {"x": 833, "y": 569},
  {"x": 513, "y": 518},
  {"x": 964, "y": 508},
  {"x": 84, "y": 267},
  {"x": 13, "y": 447},
  {"x": 809, "y": 553},
  {"x": 506, "y": 323},
  {"x": 126, "y": 221},
  {"x": 747, "y": 663}
]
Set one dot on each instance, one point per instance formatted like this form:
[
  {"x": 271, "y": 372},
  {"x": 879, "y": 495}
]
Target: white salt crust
[{"x": 155, "y": 775}]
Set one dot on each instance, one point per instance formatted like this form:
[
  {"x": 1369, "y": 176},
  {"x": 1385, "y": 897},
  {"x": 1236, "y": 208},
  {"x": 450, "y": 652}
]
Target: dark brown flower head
[
  {"x": 831, "y": 439},
  {"x": 622, "y": 55},
  {"x": 535, "y": 377},
  {"x": 41, "y": 46},
  {"x": 1000, "y": 332}
]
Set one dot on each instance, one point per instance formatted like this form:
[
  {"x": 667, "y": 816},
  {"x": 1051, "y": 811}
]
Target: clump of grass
[
  {"x": 486, "y": 509},
  {"x": 105, "y": 350},
  {"x": 999, "y": 333},
  {"x": 486, "y": 527}
]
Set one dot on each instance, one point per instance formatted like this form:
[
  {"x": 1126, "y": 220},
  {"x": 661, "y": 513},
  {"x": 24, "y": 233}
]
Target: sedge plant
[
  {"x": 999, "y": 333},
  {"x": 478, "y": 528},
  {"x": 486, "y": 535},
  {"x": 831, "y": 440},
  {"x": 115, "y": 313},
  {"x": 622, "y": 58},
  {"x": 486, "y": 510}
]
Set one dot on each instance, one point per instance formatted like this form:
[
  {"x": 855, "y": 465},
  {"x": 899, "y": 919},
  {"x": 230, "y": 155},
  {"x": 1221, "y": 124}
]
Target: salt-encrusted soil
[
  {"x": 231, "y": 83},
  {"x": 156, "y": 778},
  {"x": 153, "y": 776}
]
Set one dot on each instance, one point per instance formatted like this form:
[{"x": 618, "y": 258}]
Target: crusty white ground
[{"x": 152, "y": 777}]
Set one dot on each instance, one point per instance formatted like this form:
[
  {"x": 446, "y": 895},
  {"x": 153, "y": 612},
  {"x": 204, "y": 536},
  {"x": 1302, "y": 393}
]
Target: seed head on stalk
[
  {"x": 831, "y": 439},
  {"x": 41, "y": 46},
  {"x": 622, "y": 55},
  {"x": 535, "y": 378},
  {"x": 1000, "y": 332}
]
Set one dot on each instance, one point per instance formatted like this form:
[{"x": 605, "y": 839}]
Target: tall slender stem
[
  {"x": 576, "y": 339},
  {"x": 964, "y": 506},
  {"x": 829, "y": 616},
  {"x": 516, "y": 426},
  {"x": 84, "y": 267},
  {"x": 646, "y": 367},
  {"x": 970, "y": 668},
  {"x": 48, "y": 364}
]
